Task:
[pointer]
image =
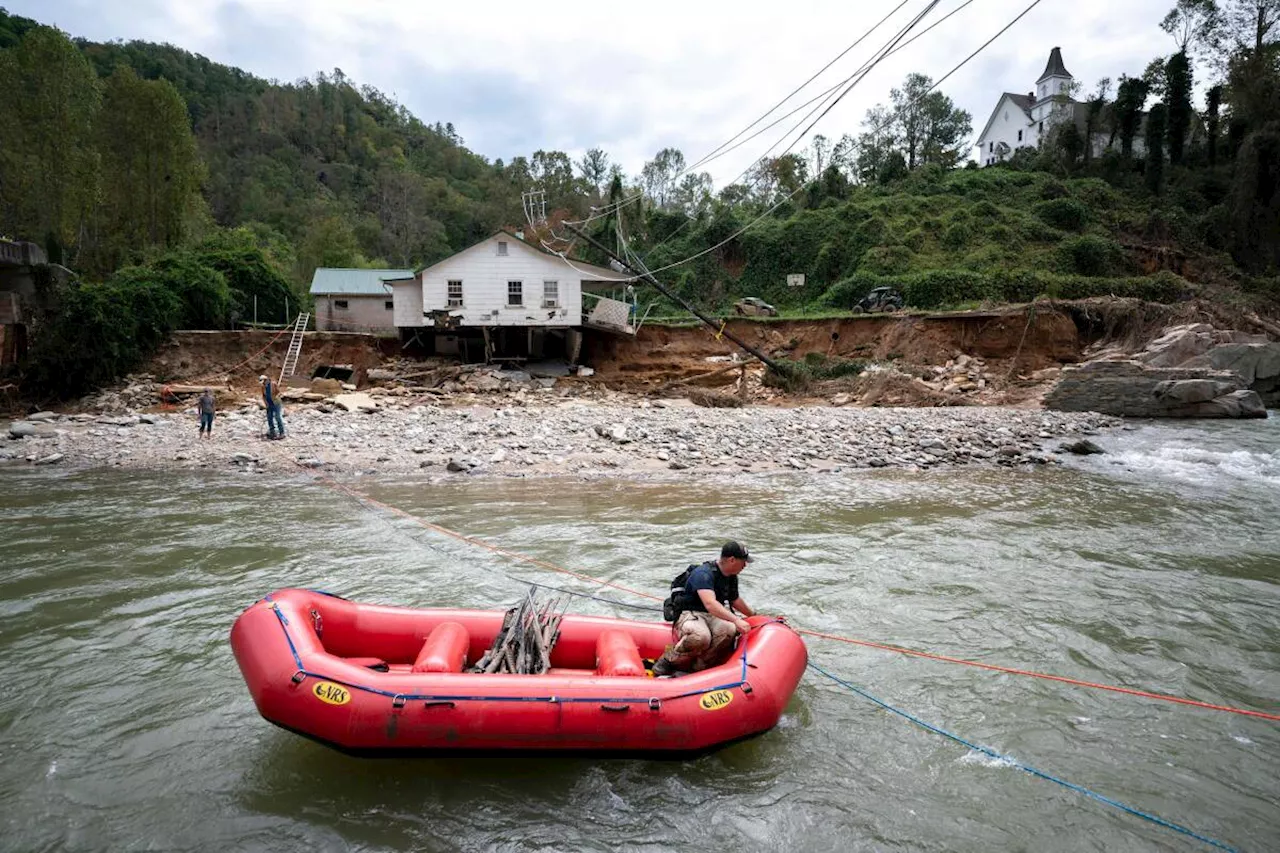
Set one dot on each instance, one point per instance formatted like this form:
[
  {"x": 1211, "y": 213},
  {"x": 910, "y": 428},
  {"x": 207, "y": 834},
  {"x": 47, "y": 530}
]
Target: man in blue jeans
[{"x": 275, "y": 424}]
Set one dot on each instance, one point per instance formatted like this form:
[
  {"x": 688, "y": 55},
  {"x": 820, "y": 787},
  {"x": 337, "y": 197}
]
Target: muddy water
[{"x": 124, "y": 723}]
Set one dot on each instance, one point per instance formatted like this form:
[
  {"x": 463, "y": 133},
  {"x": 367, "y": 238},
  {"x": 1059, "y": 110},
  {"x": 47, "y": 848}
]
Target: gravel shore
[{"x": 560, "y": 437}]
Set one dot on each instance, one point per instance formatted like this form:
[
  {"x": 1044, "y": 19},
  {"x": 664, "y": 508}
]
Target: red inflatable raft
[{"x": 371, "y": 680}]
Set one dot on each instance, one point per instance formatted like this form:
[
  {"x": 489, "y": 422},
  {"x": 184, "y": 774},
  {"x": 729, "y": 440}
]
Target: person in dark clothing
[
  {"x": 275, "y": 424},
  {"x": 206, "y": 407},
  {"x": 707, "y": 622}
]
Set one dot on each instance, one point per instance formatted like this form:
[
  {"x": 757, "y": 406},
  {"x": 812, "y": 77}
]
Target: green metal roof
[{"x": 348, "y": 282}]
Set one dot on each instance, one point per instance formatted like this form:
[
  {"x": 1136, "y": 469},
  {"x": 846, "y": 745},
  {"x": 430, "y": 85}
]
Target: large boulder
[
  {"x": 1257, "y": 363},
  {"x": 356, "y": 402},
  {"x": 1190, "y": 371},
  {"x": 1180, "y": 344},
  {"x": 27, "y": 429},
  {"x": 1133, "y": 389}
]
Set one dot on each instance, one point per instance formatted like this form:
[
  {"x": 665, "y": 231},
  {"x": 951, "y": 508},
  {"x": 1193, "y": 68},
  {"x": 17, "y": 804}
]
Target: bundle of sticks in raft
[{"x": 529, "y": 633}]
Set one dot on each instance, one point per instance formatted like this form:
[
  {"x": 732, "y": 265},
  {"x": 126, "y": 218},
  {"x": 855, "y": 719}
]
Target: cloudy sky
[{"x": 570, "y": 75}]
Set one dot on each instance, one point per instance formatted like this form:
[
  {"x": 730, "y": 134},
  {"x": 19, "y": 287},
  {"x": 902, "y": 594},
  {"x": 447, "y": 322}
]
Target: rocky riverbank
[{"x": 558, "y": 437}]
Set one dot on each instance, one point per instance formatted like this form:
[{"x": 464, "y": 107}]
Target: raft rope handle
[
  {"x": 1013, "y": 762},
  {"x": 534, "y": 561},
  {"x": 401, "y": 698}
]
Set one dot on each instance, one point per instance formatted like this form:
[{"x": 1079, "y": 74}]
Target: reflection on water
[{"x": 124, "y": 722}]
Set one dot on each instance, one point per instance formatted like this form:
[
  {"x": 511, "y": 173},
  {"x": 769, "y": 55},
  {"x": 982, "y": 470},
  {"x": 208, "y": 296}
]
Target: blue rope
[{"x": 1015, "y": 763}]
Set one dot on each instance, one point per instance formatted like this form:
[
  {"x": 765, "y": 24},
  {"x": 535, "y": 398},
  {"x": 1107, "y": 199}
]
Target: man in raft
[{"x": 705, "y": 626}]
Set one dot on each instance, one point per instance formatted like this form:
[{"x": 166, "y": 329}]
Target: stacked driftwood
[{"x": 529, "y": 633}]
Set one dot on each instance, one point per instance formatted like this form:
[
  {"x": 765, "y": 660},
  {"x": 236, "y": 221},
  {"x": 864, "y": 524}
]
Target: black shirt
[{"x": 708, "y": 576}]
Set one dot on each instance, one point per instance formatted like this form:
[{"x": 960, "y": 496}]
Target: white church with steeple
[{"x": 1024, "y": 121}]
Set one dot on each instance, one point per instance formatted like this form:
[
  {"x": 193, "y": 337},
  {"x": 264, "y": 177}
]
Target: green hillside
[{"x": 183, "y": 191}]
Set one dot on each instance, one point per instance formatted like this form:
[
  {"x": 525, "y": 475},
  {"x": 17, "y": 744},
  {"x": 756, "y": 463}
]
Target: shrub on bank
[
  {"x": 937, "y": 288},
  {"x": 1090, "y": 255},
  {"x": 93, "y": 333},
  {"x": 1065, "y": 213}
]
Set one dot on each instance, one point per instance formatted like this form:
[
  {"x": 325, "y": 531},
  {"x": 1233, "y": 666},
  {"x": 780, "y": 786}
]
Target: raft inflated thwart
[{"x": 370, "y": 679}]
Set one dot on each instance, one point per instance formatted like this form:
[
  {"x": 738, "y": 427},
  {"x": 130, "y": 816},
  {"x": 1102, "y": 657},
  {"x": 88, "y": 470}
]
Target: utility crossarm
[{"x": 646, "y": 276}]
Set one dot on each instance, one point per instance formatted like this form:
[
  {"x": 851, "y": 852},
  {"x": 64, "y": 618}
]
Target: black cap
[{"x": 733, "y": 549}]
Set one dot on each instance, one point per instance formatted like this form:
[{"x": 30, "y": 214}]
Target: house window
[
  {"x": 502, "y": 247},
  {"x": 455, "y": 293},
  {"x": 515, "y": 294},
  {"x": 991, "y": 148},
  {"x": 551, "y": 294},
  {"x": 1006, "y": 115},
  {"x": 389, "y": 305},
  {"x": 1019, "y": 136},
  {"x": 1041, "y": 130},
  {"x": 340, "y": 304}
]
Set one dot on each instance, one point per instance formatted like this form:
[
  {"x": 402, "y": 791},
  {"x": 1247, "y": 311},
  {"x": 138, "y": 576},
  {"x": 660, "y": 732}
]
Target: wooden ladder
[{"x": 295, "y": 348}]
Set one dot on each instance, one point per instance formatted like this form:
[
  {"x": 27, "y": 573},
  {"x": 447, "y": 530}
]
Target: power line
[
  {"x": 797, "y": 190},
  {"x": 823, "y": 96},
  {"x": 717, "y": 153},
  {"x": 797, "y": 90}
]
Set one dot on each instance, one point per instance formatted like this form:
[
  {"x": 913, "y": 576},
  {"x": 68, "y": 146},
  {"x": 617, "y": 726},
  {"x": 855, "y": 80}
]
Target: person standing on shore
[
  {"x": 705, "y": 625},
  {"x": 275, "y": 424},
  {"x": 206, "y": 408}
]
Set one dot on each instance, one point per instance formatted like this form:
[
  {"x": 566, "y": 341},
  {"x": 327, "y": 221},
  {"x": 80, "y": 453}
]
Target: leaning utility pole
[{"x": 719, "y": 330}]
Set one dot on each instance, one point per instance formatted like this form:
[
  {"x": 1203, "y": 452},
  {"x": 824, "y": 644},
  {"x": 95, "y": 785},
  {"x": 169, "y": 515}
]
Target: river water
[{"x": 125, "y": 725}]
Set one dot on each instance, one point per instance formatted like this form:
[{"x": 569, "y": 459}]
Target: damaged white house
[{"x": 505, "y": 299}]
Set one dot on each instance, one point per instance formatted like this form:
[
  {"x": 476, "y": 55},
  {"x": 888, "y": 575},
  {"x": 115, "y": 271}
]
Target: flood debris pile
[{"x": 529, "y": 632}]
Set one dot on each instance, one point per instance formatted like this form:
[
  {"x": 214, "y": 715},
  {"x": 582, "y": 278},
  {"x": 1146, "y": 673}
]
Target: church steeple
[
  {"x": 1054, "y": 67},
  {"x": 1055, "y": 81}
]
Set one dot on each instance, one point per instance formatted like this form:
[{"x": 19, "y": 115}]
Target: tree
[
  {"x": 329, "y": 241},
  {"x": 1253, "y": 89},
  {"x": 1155, "y": 148},
  {"x": 1093, "y": 115},
  {"x": 1192, "y": 23},
  {"x": 776, "y": 178},
  {"x": 692, "y": 193},
  {"x": 924, "y": 126},
  {"x": 1069, "y": 143},
  {"x": 1131, "y": 95},
  {"x": 874, "y": 146},
  {"x": 1249, "y": 25},
  {"x": 151, "y": 171},
  {"x": 594, "y": 168},
  {"x": 409, "y": 232},
  {"x": 659, "y": 174},
  {"x": 844, "y": 155},
  {"x": 48, "y": 163},
  {"x": 819, "y": 154},
  {"x": 1154, "y": 75},
  {"x": 1213, "y": 101},
  {"x": 1178, "y": 97},
  {"x": 552, "y": 171},
  {"x": 1255, "y": 201}
]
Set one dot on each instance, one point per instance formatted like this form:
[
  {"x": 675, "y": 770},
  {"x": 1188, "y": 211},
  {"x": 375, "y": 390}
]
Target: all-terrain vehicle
[{"x": 881, "y": 299}]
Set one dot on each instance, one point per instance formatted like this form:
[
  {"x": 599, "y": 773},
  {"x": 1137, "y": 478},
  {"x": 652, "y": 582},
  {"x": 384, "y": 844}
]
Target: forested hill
[
  {"x": 333, "y": 173},
  {"x": 130, "y": 150}
]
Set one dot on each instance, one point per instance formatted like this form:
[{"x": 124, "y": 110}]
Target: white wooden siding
[
  {"x": 1005, "y": 124},
  {"x": 485, "y": 274},
  {"x": 408, "y": 299}
]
